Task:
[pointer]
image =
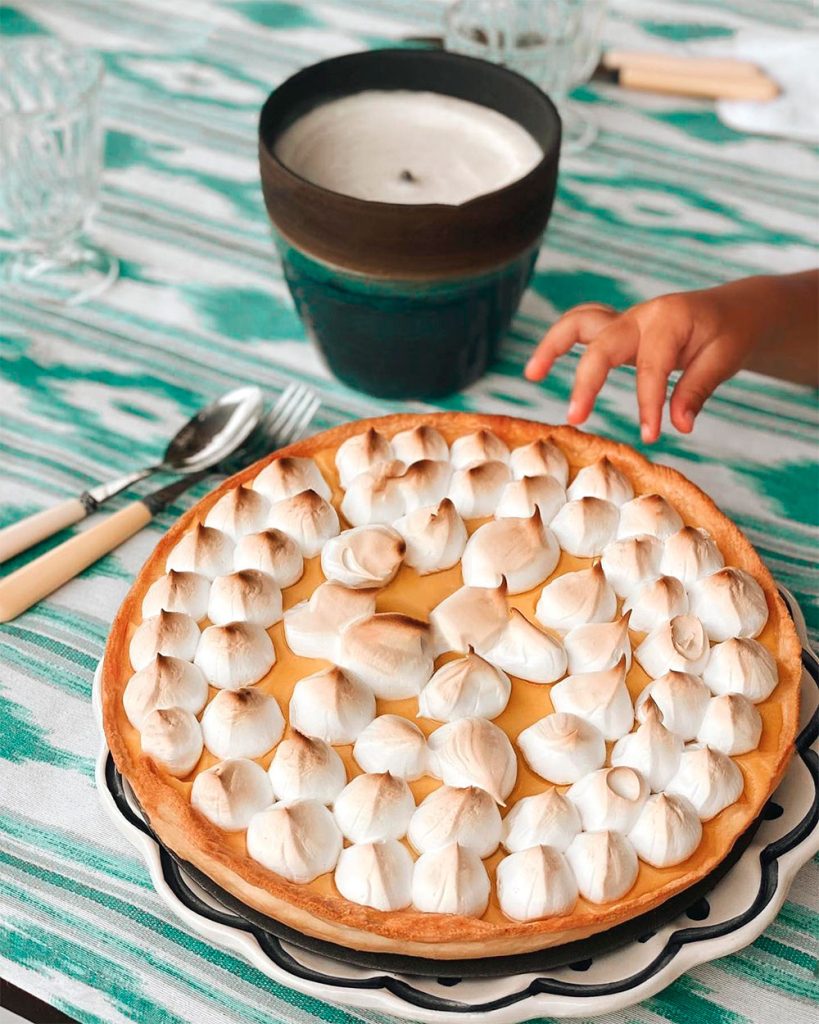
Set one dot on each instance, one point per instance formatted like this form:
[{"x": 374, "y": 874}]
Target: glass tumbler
[
  {"x": 555, "y": 43},
  {"x": 50, "y": 165}
]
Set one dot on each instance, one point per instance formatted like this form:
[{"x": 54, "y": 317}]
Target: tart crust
[{"x": 321, "y": 912}]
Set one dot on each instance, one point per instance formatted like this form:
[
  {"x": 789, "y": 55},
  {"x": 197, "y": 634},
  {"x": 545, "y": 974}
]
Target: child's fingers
[
  {"x": 579, "y": 325},
  {"x": 655, "y": 361},
  {"x": 706, "y": 370},
  {"x": 613, "y": 346}
]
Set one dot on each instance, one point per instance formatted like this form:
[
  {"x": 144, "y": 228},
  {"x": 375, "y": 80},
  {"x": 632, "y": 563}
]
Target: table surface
[{"x": 667, "y": 199}]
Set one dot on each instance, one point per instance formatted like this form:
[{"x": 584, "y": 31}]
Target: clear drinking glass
[
  {"x": 555, "y": 43},
  {"x": 50, "y": 165}
]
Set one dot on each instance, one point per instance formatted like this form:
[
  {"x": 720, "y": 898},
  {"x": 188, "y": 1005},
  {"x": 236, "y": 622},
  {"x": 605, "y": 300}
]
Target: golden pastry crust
[{"x": 320, "y": 911}]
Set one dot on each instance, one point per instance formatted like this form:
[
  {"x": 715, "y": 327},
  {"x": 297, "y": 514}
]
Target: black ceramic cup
[{"x": 408, "y": 300}]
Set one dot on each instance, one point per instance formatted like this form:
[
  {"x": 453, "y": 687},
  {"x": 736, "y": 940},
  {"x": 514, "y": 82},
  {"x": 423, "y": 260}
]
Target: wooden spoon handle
[
  {"x": 29, "y": 531},
  {"x": 707, "y": 86}
]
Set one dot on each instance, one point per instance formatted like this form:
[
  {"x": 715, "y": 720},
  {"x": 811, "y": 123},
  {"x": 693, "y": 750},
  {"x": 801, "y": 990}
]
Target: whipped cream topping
[
  {"x": 373, "y": 808},
  {"x": 540, "y": 458},
  {"x": 689, "y": 554},
  {"x": 598, "y": 646},
  {"x": 648, "y": 514},
  {"x": 306, "y": 768},
  {"x": 273, "y": 552},
  {"x": 655, "y": 603},
  {"x": 535, "y": 883},
  {"x": 164, "y": 683},
  {"x": 741, "y": 665},
  {"x": 709, "y": 779},
  {"x": 729, "y": 603},
  {"x": 545, "y": 819},
  {"x": 423, "y": 483},
  {"x": 331, "y": 705},
  {"x": 631, "y": 563},
  {"x": 306, "y": 517},
  {"x": 731, "y": 724},
  {"x": 562, "y": 748},
  {"x": 242, "y": 723},
  {"x": 520, "y": 498},
  {"x": 680, "y": 645},
  {"x": 577, "y": 598},
  {"x": 203, "y": 550},
  {"x": 173, "y": 738},
  {"x": 600, "y": 697},
  {"x": 525, "y": 651},
  {"x": 467, "y": 687},
  {"x": 604, "y": 865},
  {"x": 172, "y": 633},
  {"x": 667, "y": 831},
  {"x": 391, "y": 743},
  {"x": 476, "y": 490},
  {"x": 185, "y": 592},
  {"x": 362, "y": 453},
  {"x": 389, "y": 652},
  {"x": 418, "y": 443},
  {"x": 482, "y": 446},
  {"x": 288, "y": 476},
  {"x": 651, "y": 749},
  {"x": 366, "y": 556},
  {"x": 231, "y": 792},
  {"x": 681, "y": 699},
  {"x": 602, "y": 479},
  {"x": 585, "y": 526},
  {"x": 241, "y": 511},
  {"x": 377, "y": 875},
  {"x": 235, "y": 654},
  {"x": 297, "y": 839},
  {"x": 469, "y": 617},
  {"x": 474, "y": 752},
  {"x": 450, "y": 881},
  {"x": 523, "y": 551},
  {"x": 247, "y": 595},
  {"x": 609, "y": 799},
  {"x": 435, "y": 537},
  {"x": 312, "y": 628},
  {"x": 374, "y": 496},
  {"x": 468, "y": 816}
]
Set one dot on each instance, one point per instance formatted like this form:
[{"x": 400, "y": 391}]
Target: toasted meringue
[
  {"x": 391, "y": 653},
  {"x": 273, "y": 552},
  {"x": 600, "y": 697},
  {"x": 373, "y": 808},
  {"x": 435, "y": 537},
  {"x": 523, "y": 551},
  {"x": 423, "y": 483},
  {"x": 235, "y": 654},
  {"x": 577, "y": 598},
  {"x": 377, "y": 875},
  {"x": 239, "y": 512},
  {"x": 306, "y": 517},
  {"x": 469, "y": 617},
  {"x": 242, "y": 723},
  {"x": 418, "y": 443},
  {"x": 331, "y": 705},
  {"x": 476, "y": 490},
  {"x": 247, "y": 595},
  {"x": 305, "y": 768},
  {"x": 648, "y": 514},
  {"x": 540, "y": 458},
  {"x": 709, "y": 779},
  {"x": 604, "y": 865},
  {"x": 474, "y": 752},
  {"x": 598, "y": 646},
  {"x": 545, "y": 819},
  {"x": 610, "y": 798},
  {"x": 173, "y": 737},
  {"x": 602, "y": 479},
  {"x": 562, "y": 748},
  {"x": 297, "y": 839},
  {"x": 655, "y": 603},
  {"x": 288, "y": 476},
  {"x": 520, "y": 498},
  {"x": 171, "y": 633},
  {"x": 231, "y": 792},
  {"x": 468, "y": 816},
  {"x": 631, "y": 563},
  {"x": 312, "y": 628},
  {"x": 651, "y": 749},
  {"x": 467, "y": 687},
  {"x": 524, "y": 650},
  {"x": 680, "y": 645},
  {"x": 731, "y": 724},
  {"x": 667, "y": 831},
  {"x": 450, "y": 881},
  {"x": 366, "y": 556},
  {"x": 585, "y": 526},
  {"x": 482, "y": 446},
  {"x": 681, "y": 698},
  {"x": 185, "y": 592},
  {"x": 535, "y": 883},
  {"x": 729, "y": 603},
  {"x": 362, "y": 454},
  {"x": 689, "y": 554},
  {"x": 741, "y": 665},
  {"x": 391, "y": 743},
  {"x": 164, "y": 683},
  {"x": 203, "y": 550},
  {"x": 374, "y": 497}
]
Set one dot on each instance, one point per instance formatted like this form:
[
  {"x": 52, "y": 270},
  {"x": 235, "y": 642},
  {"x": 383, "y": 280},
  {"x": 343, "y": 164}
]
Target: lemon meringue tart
[{"x": 453, "y": 686}]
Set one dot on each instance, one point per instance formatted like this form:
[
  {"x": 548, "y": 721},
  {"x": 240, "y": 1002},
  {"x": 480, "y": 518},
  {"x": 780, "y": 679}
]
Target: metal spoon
[{"x": 212, "y": 434}]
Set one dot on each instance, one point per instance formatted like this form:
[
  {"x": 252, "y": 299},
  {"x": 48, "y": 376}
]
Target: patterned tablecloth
[{"x": 667, "y": 199}]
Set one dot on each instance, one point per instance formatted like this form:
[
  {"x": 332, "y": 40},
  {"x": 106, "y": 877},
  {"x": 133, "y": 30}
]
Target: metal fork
[{"x": 281, "y": 425}]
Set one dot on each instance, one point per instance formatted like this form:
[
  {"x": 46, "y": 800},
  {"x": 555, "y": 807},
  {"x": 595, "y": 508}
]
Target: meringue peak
[
  {"x": 474, "y": 752},
  {"x": 362, "y": 453},
  {"x": 476, "y": 489},
  {"x": 479, "y": 447},
  {"x": 421, "y": 442},
  {"x": 601, "y": 479},
  {"x": 540, "y": 458},
  {"x": 290, "y": 475},
  {"x": 435, "y": 537},
  {"x": 584, "y": 526},
  {"x": 522, "y": 551},
  {"x": 470, "y": 617},
  {"x": 308, "y": 518},
  {"x": 241, "y": 510},
  {"x": 389, "y": 652},
  {"x": 366, "y": 556},
  {"x": 203, "y": 550}
]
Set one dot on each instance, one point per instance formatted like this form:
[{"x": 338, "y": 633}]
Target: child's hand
[{"x": 706, "y": 334}]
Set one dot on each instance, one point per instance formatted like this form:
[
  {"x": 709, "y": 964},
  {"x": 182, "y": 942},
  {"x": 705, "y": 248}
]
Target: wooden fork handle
[{"x": 27, "y": 532}]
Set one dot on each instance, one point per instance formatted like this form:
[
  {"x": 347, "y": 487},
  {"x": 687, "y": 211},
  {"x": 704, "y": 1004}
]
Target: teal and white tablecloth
[{"x": 667, "y": 199}]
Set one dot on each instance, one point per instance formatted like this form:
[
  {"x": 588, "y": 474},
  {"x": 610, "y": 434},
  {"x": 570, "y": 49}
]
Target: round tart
[{"x": 453, "y": 685}]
